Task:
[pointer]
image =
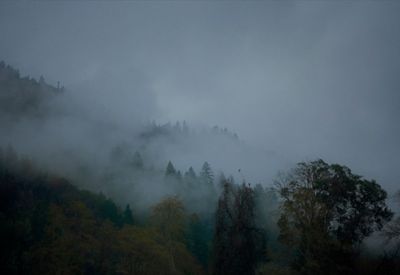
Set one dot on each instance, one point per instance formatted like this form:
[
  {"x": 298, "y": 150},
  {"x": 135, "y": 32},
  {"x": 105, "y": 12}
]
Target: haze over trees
[{"x": 120, "y": 209}]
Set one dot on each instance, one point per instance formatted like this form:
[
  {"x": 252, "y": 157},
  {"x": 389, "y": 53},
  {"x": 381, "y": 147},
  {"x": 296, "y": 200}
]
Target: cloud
[{"x": 303, "y": 79}]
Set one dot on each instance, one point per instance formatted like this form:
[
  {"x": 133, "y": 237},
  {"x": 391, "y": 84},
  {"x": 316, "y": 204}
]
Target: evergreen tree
[
  {"x": 190, "y": 174},
  {"x": 235, "y": 232},
  {"x": 170, "y": 170},
  {"x": 246, "y": 231},
  {"x": 128, "y": 218},
  {"x": 198, "y": 239},
  {"x": 206, "y": 174},
  {"x": 266, "y": 209}
]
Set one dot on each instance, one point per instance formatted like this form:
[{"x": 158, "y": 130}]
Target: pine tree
[
  {"x": 206, "y": 174},
  {"x": 128, "y": 218},
  {"x": 170, "y": 170},
  {"x": 190, "y": 174},
  {"x": 235, "y": 232}
]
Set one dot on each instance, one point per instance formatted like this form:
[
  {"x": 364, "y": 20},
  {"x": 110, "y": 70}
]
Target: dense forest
[{"x": 121, "y": 212}]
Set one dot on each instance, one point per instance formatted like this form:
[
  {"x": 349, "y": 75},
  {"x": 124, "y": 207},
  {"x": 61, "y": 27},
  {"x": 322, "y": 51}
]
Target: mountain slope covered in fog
[
  {"x": 152, "y": 198},
  {"x": 80, "y": 141}
]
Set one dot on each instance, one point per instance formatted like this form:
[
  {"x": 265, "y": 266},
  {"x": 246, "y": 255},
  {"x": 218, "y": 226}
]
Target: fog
[{"x": 295, "y": 81}]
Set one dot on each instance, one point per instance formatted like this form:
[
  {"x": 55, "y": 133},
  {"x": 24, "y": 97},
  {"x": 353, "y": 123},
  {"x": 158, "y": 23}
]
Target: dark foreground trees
[
  {"x": 326, "y": 212},
  {"x": 48, "y": 226},
  {"x": 235, "y": 232}
]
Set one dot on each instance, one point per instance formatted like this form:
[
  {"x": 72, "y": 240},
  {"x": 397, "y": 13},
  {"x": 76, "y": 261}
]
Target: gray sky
[{"x": 307, "y": 79}]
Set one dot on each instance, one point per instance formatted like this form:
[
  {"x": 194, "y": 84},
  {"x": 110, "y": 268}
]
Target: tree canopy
[{"x": 326, "y": 212}]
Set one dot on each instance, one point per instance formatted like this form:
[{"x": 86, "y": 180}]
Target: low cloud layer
[{"x": 303, "y": 80}]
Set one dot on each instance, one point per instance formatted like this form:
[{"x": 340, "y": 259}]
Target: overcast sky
[{"x": 306, "y": 79}]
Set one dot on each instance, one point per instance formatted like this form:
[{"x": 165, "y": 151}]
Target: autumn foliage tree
[
  {"x": 169, "y": 220},
  {"x": 326, "y": 212}
]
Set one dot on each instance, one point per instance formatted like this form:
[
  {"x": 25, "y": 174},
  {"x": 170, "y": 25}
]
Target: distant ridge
[{"x": 24, "y": 96}]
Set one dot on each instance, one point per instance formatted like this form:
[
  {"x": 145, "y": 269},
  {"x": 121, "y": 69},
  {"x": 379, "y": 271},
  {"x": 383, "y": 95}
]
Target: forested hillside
[
  {"x": 121, "y": 208},
  {"x": 49, "y": 226},
  {"x": 24, "y": 96}
]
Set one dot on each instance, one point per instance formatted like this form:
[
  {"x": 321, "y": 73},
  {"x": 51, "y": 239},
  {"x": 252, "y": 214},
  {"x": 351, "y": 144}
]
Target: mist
[
  {"x": 203, "y": 105},
  {"x": 301, "y": 80}
]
